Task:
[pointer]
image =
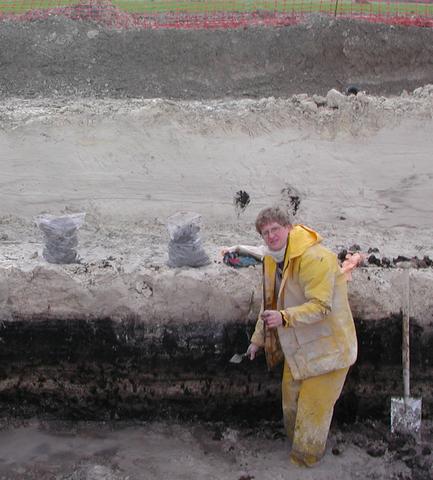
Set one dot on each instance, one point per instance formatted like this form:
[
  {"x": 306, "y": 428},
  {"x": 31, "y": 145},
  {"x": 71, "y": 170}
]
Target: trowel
[
  {"x": 238, "y": 357},
  {"x": 406, "y": 410}
]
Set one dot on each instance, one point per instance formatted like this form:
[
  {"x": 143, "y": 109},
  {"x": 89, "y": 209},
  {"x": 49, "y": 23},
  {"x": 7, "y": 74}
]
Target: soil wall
[
  {"x": 163, "y": 347},
  {"x": 58, "y": 56},
  {"x": 121, "y": 335}
]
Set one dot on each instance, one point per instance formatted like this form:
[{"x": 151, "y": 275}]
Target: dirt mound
[{"x": 102, "y": 12}]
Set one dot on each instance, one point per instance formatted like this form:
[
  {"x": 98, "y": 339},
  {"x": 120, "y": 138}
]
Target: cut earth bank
[{"x": 121, "y": 335}]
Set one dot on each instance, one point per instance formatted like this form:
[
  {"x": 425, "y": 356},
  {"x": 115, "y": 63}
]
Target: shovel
[{"x": 406, "y": 411}]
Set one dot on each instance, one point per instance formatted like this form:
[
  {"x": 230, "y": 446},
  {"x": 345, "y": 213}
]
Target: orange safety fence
[{"x": 218, "y": 13}]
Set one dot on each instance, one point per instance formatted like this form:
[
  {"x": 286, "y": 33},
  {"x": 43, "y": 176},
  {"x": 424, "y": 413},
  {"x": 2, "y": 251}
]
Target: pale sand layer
[{"x": 363, "y": 174}]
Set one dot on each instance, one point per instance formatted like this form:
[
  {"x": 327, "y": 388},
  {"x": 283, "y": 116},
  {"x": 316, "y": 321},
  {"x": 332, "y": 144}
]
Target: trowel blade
[
  {"x": 237, "y": 358},
  {"x": 406, "y": 415}
]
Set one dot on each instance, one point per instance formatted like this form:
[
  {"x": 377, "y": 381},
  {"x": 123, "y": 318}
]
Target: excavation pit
[{"x": 132, "y": 126}]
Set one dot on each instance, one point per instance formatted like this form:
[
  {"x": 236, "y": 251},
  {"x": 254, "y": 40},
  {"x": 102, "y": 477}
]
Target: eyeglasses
[{"x": 271, "y": 231}]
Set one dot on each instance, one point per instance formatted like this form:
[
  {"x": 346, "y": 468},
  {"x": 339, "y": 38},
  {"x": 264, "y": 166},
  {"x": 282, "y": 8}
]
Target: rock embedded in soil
[{"x": 335, "y": 99}]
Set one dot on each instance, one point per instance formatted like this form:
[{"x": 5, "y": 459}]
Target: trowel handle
[{"x": 405, "y": 336}]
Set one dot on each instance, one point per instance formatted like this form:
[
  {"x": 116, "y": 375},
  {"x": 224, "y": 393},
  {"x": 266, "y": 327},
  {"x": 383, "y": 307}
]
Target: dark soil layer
[
  {"x": 106, "y": 370},
  {"x": 63, "y": 57}
]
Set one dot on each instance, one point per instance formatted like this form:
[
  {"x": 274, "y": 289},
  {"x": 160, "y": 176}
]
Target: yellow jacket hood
[{"x": 301, "y": 238}]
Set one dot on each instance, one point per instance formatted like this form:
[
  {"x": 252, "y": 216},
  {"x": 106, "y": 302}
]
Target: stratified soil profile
[
  {"x": 117, "y": 366},
  {"x": 59, "y": 56}
]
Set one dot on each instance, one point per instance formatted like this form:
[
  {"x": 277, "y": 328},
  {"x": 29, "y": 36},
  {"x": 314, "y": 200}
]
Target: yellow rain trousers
[
  {"x": 318, "y": 341},
  {"x": 308, "y": 406}
]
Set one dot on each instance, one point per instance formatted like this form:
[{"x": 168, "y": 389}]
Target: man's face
[{"x": 275, "y": 235}]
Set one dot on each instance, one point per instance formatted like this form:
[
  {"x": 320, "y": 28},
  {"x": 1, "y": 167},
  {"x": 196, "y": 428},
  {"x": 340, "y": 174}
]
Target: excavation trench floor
[{"x": 160, "y": 451}]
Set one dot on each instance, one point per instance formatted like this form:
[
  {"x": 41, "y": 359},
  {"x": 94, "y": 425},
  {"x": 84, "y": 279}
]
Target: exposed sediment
[
  {"x": 59, "y": 56},
  {"x": 107, "y": 344},
  {"x": 120, "y": 335}
]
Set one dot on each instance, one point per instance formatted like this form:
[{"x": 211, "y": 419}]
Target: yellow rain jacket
[{"x": 319, "y": 333}]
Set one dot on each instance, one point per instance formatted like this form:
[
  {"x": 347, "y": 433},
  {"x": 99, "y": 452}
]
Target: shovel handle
[{"x": 405, "y": 336}]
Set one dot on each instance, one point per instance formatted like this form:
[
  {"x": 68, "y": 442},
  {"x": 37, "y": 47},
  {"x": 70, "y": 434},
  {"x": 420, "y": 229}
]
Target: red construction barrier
[{"x": 201, "y": 14}]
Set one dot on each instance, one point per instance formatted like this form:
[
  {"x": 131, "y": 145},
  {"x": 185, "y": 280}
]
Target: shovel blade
[{"x": 406, "y": 415}]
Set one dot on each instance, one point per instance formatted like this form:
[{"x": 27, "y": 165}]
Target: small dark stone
[
  {"x": 401, "y": 258},
  {"x": 336, "y": 451},
  {"x": 373, "y": 250},
  {"x": 420, "y": 263},
  {"x": 352, "y": 90},
  {"x": 342, "y": 255},
  {"x": 428, "y": 261},
  {"x": 386, "y": 262},
  {"x": 376, "y": 451},
  {"x": 355, "y": 248},
  {"x": 372, "y": 259},
  {"x": 341, "y": 217}
]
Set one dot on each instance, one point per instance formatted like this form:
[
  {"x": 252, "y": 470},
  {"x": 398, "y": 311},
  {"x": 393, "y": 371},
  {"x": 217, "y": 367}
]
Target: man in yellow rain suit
[{"x": 306, "y": 321}]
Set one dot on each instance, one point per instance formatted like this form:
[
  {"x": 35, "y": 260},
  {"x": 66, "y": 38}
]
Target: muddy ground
[
  {"x": 83, "y": 128},
  {"x": 158, "y": 451}
]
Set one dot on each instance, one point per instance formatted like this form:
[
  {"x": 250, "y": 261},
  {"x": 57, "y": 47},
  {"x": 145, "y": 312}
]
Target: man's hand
[
  {"x": 252, "y": 351},
  {"x": 272, "y": 318}
]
